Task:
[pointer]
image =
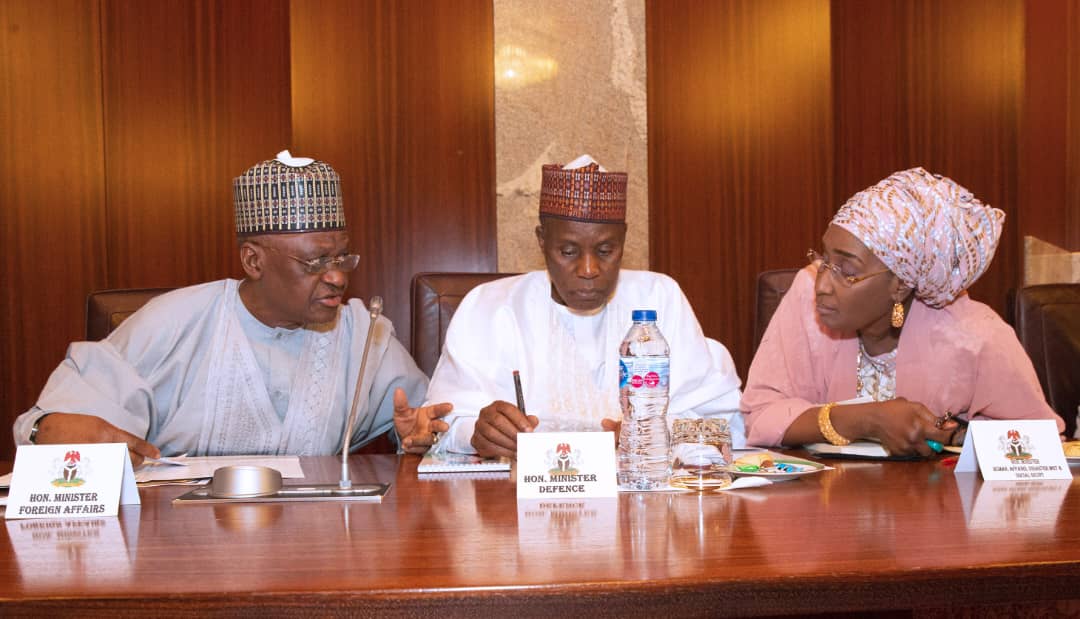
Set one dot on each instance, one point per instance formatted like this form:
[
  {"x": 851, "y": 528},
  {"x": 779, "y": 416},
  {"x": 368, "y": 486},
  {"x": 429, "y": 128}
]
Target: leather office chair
[
  {"x": 1048, "y": 326},
  {"x": 435, "y": 298},
  {"x": 771, "y": 288},
  {"x": 106, "y": 309}
]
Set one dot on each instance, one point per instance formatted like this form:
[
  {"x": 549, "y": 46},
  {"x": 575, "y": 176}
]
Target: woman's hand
[{"x": 903, "y": 427}]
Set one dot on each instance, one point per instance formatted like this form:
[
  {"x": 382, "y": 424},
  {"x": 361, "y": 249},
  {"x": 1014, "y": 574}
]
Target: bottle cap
[{"x": 644, "y": 315}]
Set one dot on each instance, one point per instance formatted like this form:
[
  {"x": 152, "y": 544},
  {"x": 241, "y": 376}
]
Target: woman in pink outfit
[{"x": 881, "y": 314}]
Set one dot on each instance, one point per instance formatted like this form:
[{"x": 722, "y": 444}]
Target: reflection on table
[{"x": 865, "y": 536}]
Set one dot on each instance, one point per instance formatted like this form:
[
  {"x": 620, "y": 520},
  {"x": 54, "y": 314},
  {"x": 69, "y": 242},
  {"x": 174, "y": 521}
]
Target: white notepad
[
  {"x": 862, "y": 449},
  {"x": 460, "y": 463}
]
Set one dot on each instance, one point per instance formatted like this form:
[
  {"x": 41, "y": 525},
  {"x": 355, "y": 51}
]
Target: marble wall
[
  {"x": 569, "y": 79},
  {"x": 1046, "y": 263}
]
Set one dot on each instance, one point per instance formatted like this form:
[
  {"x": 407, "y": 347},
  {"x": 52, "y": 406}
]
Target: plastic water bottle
[{"x": 644, "y": 361}]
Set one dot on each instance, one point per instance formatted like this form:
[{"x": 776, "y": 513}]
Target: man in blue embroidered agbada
[{"x": 264, "y": 365}]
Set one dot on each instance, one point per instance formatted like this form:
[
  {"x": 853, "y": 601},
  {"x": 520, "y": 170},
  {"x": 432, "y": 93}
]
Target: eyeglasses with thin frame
[
  {"x": 834, "y": 270},
  {"x": 318, "y": 266}
]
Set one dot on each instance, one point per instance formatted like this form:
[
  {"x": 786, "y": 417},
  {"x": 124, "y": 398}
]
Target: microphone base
[{"x": 358, "y": 493}]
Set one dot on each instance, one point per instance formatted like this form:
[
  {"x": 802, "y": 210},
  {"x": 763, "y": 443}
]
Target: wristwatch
[{"x": 34, "y": 429}]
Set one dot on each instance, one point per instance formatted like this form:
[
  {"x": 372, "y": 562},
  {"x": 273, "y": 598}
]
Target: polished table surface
[{"x": 865, "y": 536}]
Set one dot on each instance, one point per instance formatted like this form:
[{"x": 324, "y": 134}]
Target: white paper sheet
[
  {"x": 180, "y": 460},
  {"x": 203, "y": 467}
]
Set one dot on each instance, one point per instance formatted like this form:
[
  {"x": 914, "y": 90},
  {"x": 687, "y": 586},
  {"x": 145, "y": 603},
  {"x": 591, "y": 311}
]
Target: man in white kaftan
[
  {"x": 561, "y": 329},
  {"x": 569, "y": 361},
  {"x": 266, "y": 365}
]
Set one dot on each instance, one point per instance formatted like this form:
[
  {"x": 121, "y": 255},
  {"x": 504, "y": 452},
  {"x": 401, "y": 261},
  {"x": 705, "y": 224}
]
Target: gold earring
[{"x": 897, "y": 315}]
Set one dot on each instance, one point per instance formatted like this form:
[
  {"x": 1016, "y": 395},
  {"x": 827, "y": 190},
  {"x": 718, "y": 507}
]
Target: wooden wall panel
[
  {"x": 740, "y": 149},
  {"x": 53, "y": 190},
  {"x": 1072, "y": 129},
  {"x": 936, "y": 84},
  {"x": 1050, "y": 146},
  {"x": 195, "y": 92},
  {"x": 124, "y": 124},
  {"x": 1044, "y": 178},
  {"x": 399, "y": 98}
]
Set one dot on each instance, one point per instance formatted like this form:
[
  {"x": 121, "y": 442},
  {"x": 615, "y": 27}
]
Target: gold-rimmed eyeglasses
[
  {"x": 318, "y": 266},
  {"x": 834, "y": 270}
]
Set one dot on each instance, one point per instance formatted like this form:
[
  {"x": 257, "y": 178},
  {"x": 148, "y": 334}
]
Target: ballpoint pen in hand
[{"x": 517, "y": 391}]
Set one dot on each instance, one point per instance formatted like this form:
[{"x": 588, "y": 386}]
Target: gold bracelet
[{"x": 825, "y": 425}]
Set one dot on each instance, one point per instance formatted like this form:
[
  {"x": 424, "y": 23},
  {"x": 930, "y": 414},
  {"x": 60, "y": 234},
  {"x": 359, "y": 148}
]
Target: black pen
[{"x": 517, "y": 390}]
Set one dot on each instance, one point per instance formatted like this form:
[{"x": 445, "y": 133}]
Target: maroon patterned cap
[
  {"x": 583, "y": 194},
  {"x": 288, "y": 194}
]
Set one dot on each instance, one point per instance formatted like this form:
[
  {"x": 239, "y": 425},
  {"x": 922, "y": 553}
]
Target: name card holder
[
  {"x": 566, "y": 465},
  {"x": 71, "y": 481},
  {"x": 1016, "y": 450}
]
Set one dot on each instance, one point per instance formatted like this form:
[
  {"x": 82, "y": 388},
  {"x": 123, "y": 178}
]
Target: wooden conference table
[{"x": 865, "y": 536}]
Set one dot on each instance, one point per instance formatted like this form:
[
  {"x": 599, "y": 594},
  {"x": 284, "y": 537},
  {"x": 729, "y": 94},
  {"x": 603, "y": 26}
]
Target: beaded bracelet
[{"x": 825, "y": 425}]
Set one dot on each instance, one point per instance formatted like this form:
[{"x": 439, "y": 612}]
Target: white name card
[
  {"x": 71, "y": 481},
  {"x": 1018, "y": 450},
  {"x": 566, "y": 465}
]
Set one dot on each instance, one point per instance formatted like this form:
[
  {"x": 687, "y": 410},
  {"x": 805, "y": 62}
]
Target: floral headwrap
[{"x": 932, "y": 233}]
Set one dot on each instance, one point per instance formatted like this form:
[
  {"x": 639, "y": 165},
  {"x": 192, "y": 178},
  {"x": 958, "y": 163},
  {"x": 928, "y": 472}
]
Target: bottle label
[{"x": 644, "y": 372}]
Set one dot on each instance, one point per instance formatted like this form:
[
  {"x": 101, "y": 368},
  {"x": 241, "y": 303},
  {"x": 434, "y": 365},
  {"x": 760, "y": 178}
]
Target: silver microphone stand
[{"x": 374, "y": 310}]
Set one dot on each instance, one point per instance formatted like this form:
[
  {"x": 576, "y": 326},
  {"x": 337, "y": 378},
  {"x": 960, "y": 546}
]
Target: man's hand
[
  {"x": 903, "y": 427},
  {"x": 612, "y": 425},
  {"x": 74, "y": 428},
  {"x": 417, "y": 426},
  {"x": 497, "y": 428}
]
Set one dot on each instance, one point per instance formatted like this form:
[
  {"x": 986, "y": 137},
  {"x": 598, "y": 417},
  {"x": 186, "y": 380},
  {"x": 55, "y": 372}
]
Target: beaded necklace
[{"x": 875, "y": 376}]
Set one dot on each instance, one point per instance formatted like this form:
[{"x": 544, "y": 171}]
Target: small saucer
[{"x": 701, "y": 483}]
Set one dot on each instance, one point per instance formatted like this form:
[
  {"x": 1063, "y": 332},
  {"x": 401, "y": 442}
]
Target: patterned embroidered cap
[
  {"x": 931, "y": 232},
  {"x": 288, "y": 194},
  {"x": 586, "y": 193}
]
